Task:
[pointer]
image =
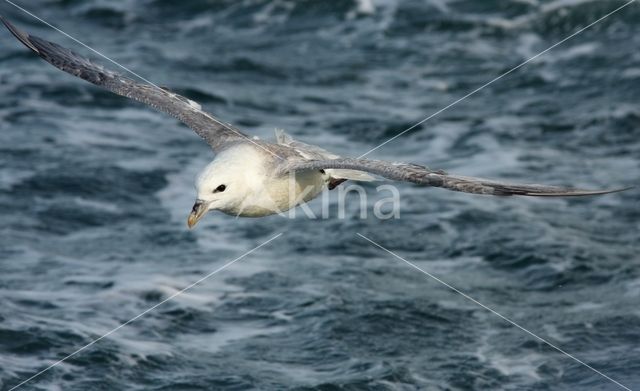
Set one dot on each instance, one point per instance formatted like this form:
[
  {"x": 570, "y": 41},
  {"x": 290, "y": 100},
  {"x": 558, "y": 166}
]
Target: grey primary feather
[
  {"x": 215, "y": 132},
  {"x": 422, "y": 175}
]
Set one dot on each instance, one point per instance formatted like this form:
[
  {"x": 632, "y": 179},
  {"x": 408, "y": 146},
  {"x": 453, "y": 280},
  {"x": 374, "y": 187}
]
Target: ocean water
[{"x": 95, "y": 191}]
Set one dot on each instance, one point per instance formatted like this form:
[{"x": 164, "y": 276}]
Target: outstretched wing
[
  {"x": 215, "y": 132},
  {"x": 424, "y": 176}
]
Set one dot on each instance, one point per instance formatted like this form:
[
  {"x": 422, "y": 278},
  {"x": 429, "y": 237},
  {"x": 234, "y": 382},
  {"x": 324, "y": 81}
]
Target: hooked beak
[{"x": 199, "y": 209}]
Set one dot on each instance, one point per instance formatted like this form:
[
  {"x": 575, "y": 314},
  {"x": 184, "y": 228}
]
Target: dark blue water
[{"x": 95, "y": 191}]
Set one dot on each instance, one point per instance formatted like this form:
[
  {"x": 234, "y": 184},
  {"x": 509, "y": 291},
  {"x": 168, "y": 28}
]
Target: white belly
[{"x": 283, "y": 193}]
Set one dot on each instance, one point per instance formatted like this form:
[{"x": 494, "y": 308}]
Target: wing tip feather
[
  {"x": 579, "y": 193},
  {"x": 19, "y": 34}
]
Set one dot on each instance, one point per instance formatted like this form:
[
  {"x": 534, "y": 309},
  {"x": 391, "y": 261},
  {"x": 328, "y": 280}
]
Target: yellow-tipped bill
[{"x": 199, "y": 209}]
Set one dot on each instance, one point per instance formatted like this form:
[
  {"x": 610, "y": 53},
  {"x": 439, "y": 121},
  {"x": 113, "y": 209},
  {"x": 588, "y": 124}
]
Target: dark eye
[{"x": 220, "y": 189}]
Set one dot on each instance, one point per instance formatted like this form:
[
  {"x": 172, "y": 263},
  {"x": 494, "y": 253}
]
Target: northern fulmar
[{"x": 253, "y": 178}]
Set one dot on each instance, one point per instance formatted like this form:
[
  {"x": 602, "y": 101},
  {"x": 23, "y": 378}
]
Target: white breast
[{"x": 280, "y": 194}]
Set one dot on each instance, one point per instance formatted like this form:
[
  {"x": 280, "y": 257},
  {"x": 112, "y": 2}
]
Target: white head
[{"x": 227, "y": 183}]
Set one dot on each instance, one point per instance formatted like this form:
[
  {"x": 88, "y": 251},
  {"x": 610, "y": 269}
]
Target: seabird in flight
[{"x": 253, "y": 178}]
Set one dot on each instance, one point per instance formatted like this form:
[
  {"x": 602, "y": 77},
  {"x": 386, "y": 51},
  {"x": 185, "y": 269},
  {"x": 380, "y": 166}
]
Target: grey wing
[
  {"x": 424, "y": 176},
  {"x": 215, "y": 132},
  {"x": 305, "y": 150}
]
